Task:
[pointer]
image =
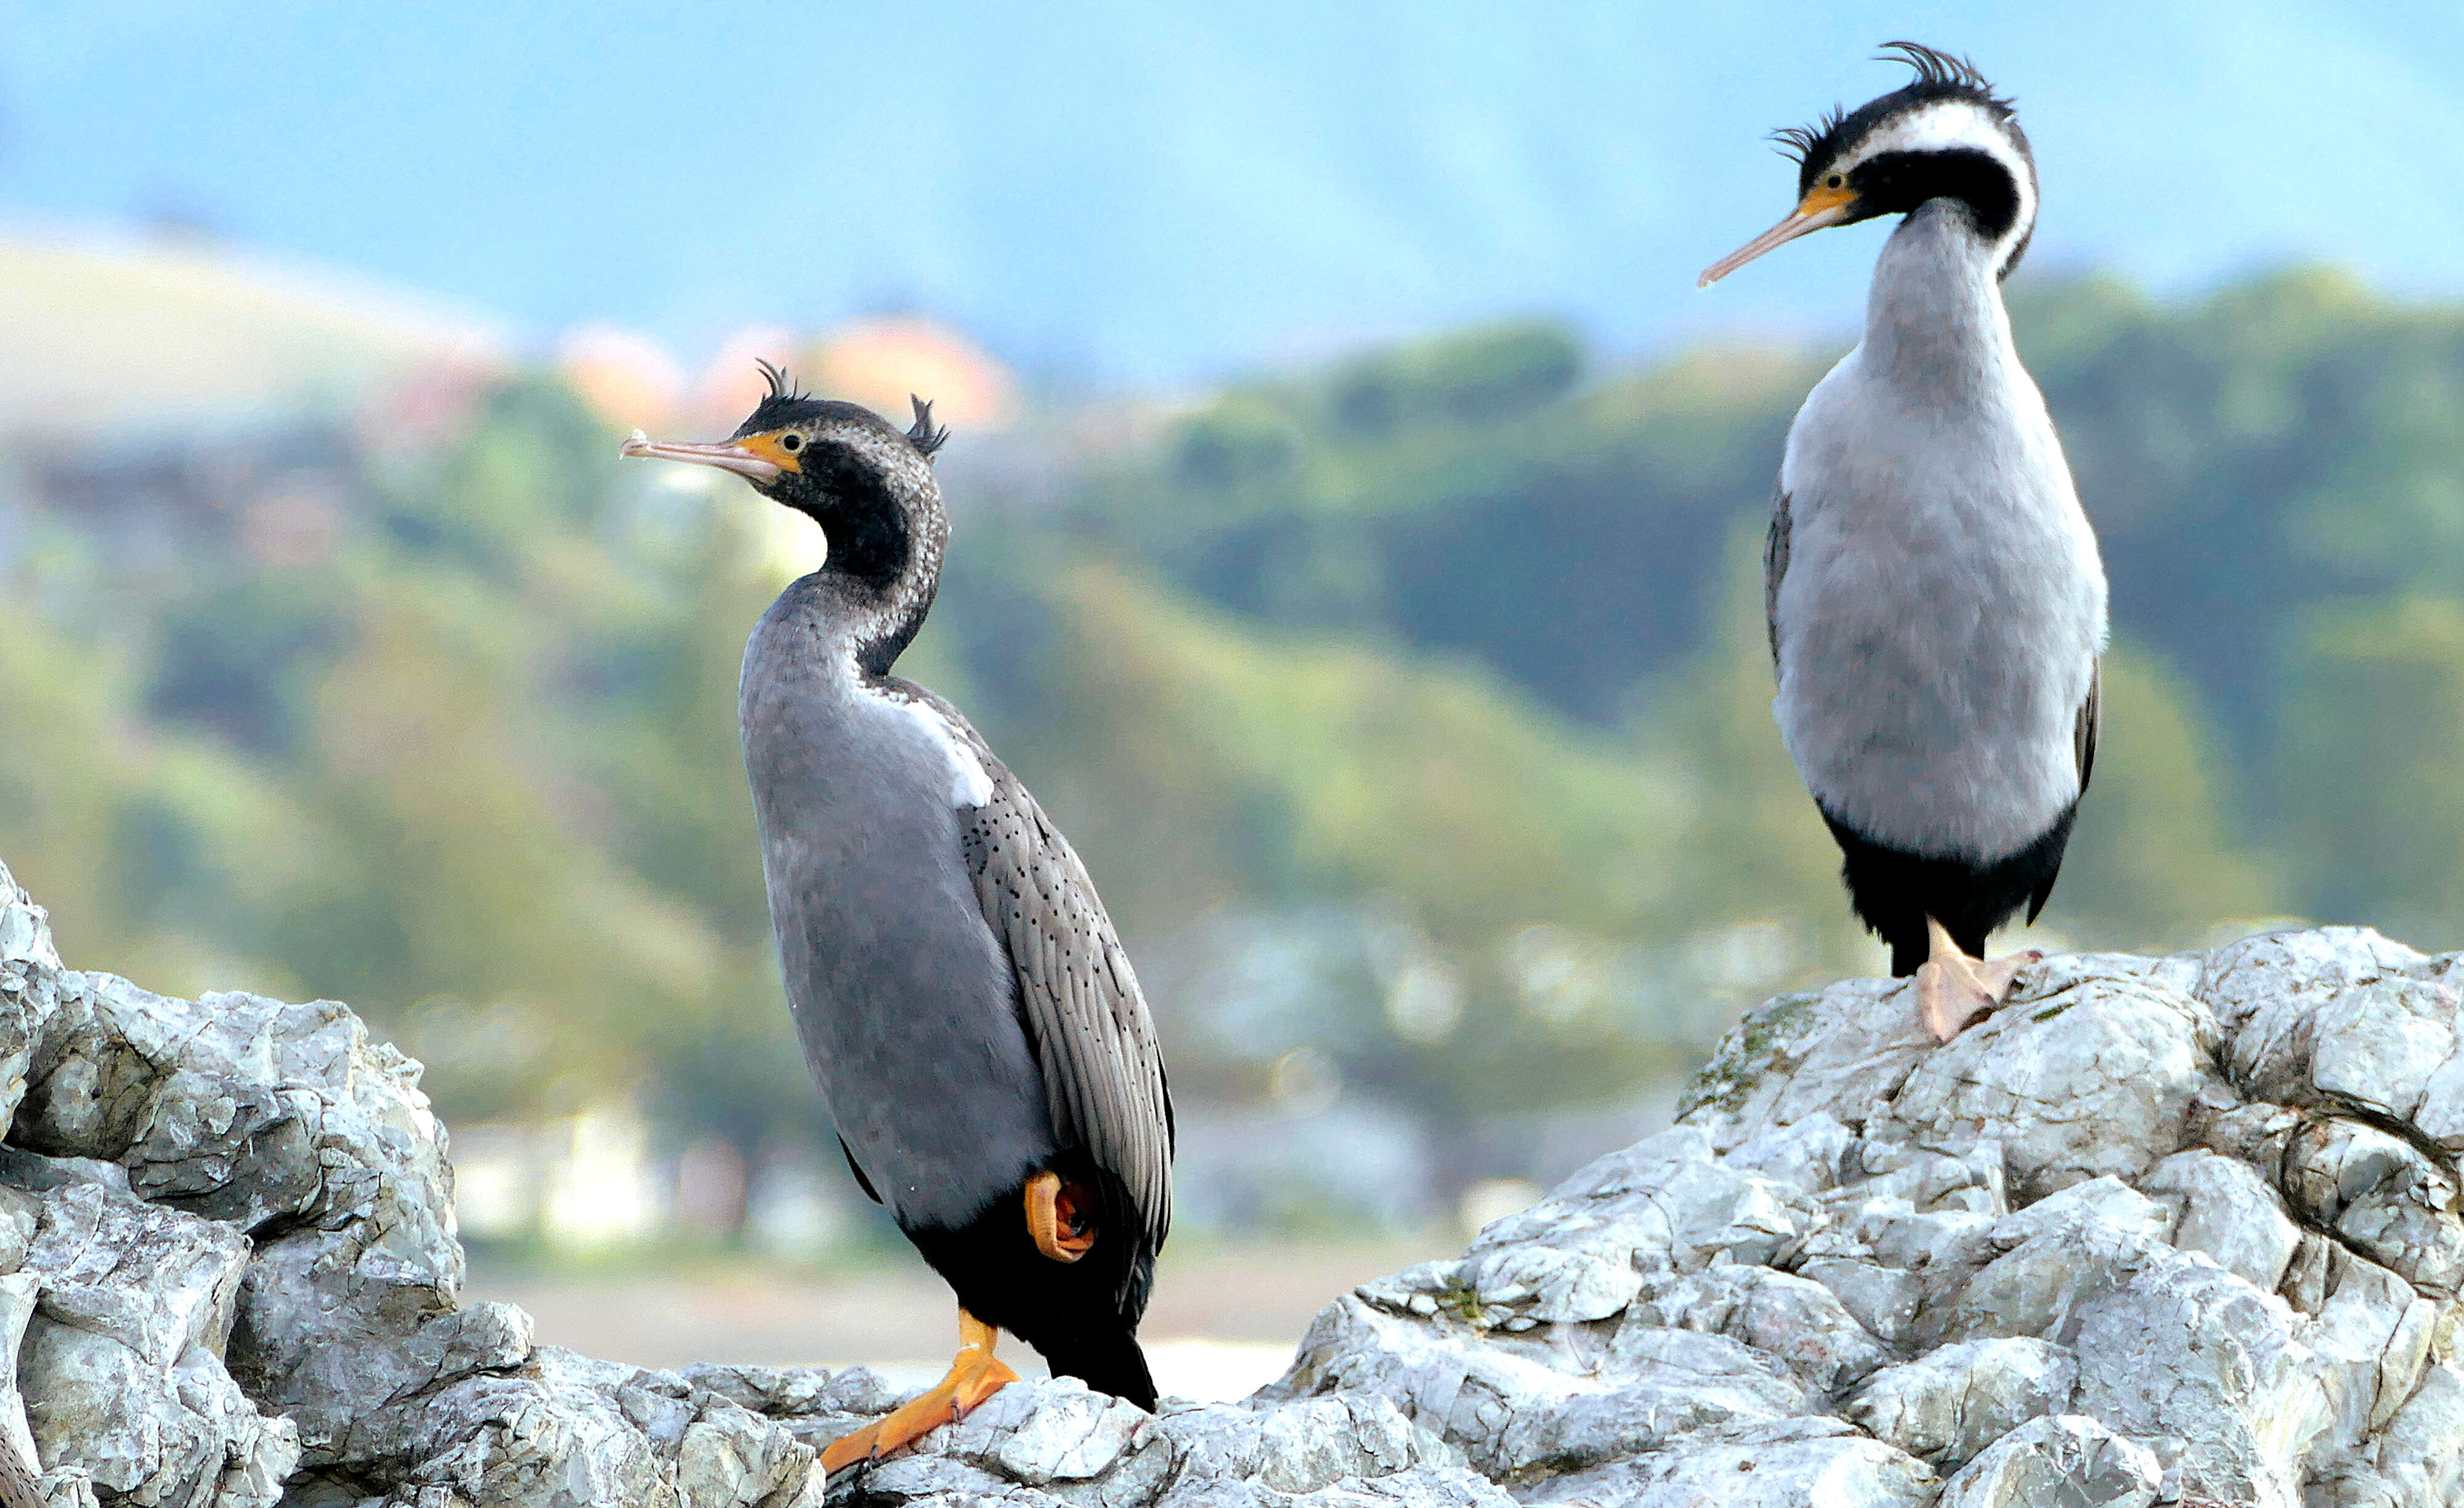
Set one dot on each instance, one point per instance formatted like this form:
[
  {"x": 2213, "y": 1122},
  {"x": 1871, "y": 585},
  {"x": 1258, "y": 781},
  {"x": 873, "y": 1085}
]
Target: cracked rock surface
[
  {"x": 2160, "y": 1231},
  {"x": 2179, "y": 1230}
]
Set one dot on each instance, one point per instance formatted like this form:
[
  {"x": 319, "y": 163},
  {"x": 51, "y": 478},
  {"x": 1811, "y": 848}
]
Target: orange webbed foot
[
  {"x": 973, "y": 1376},
  {"x": 1061, "y": 1216},
  {"x": 1955, "y": 990}
]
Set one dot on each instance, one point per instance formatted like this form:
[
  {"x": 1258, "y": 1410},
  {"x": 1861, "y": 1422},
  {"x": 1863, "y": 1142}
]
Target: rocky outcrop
[
  {"x": 2162, "y": 1231},
  {"x": 228, "y": 1279}
]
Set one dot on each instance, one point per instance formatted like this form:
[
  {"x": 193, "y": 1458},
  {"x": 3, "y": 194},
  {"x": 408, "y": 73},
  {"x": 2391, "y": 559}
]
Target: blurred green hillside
[{"x": 1412, "y": 714}]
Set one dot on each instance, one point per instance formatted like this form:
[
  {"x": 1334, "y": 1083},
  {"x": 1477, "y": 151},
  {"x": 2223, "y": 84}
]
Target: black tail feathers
[
  {"x": 1894, "y": 889},
  {"x": 1108, "y": 1362},
  {"x": 1083, "y": 1316}
]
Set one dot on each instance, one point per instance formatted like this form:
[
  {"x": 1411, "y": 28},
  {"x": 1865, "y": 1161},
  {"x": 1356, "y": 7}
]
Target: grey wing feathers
[
  {"x": 1086, "y": 1015},
  {"x": 2083, "y": 732},
  {"x": 1103, "y": 1070},
  {"x": 1774, "y": 568}
]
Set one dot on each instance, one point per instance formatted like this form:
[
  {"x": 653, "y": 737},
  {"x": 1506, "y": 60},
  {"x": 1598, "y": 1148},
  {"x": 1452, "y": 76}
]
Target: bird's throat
[{"x": 1935, "y": 326}]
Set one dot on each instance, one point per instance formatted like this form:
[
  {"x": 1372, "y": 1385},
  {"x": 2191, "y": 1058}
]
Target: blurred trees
[
  {"x": 2286, "y": 443},
  {"x": 1569, "y": 538},
  {"x": 70, "y": 803},
  {"x": 2157, "y": 857},
  {"x": 2372, "y": 764},
  {"x": 1413, "y": 715}
]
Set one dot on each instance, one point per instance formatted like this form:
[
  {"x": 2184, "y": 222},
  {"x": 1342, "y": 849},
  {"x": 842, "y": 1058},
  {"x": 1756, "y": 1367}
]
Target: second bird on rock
[
  {"x": 1935, "y": 599},
  {"x": 974, "y": 1023}
]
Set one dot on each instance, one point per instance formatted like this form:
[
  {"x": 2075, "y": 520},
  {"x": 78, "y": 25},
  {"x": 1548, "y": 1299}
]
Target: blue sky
[{"x": 1126, "y": 192}]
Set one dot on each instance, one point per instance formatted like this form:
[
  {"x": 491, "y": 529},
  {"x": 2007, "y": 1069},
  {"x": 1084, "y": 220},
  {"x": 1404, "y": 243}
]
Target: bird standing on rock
[
  {"x": 970, "y": 1016},
  {"x": 1934, "y": 595}
]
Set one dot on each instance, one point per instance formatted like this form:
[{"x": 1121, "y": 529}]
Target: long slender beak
[
  {"x": 726, "y": 456},
  {"x": 1820, "y": 208}
]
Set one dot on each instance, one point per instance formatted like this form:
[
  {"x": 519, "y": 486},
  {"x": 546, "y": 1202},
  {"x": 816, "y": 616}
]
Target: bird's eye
[
  {"x": 791, "y": 442},
  {"x": 1834, "y": 180}
]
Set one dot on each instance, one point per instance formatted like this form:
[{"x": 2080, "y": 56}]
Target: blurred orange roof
[
  {"x": 629, "y": 380},
  {"x": 730, "y": 385},
  {"x": 875, "y": 362},
  {"x": 879, "y": 363}
]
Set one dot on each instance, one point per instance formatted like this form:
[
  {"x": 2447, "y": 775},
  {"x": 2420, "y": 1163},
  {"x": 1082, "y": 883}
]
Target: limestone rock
[
  {"x": 1951, "y": 1403},
  {"x": 120, "y": 1365},
  {"x": 2065, "y": 1255},
  {"x": 1775, "y": 1470},
  {"x": 2225, "y": 1209},
  {"x": 2063, "y": 1459},
  {"x": 2041, "y": 1075}
]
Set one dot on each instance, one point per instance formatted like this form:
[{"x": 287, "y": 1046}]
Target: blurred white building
[
  {"x": 577, "y": 1182},
  {"x": 601, "y": 1180},
  {"x": 1352, "y": 1162}
]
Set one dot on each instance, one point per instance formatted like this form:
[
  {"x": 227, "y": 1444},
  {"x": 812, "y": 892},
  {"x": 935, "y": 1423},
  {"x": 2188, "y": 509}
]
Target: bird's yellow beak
[
  {"x": 1820, "y": 208},
  {"x": 757, "y": 457}
]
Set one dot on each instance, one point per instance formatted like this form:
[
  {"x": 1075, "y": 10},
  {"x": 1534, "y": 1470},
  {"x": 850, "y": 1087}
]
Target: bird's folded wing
[
  {"x": 1103, "y": 1068},
  {"x": 2091, "y": 714},
  {"x": 1774, "y": 568}
]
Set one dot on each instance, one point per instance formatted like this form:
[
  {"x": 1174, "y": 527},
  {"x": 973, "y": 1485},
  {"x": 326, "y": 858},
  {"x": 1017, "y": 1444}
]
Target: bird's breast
[
  {"x": 904, "y": 996},
  {"x": 1940, "y": 616}
]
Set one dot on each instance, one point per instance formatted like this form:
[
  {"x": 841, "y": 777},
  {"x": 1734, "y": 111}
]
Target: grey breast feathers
[
  {"x": 1086, "y": 1015},
  {"x": 2091, "y": 712}
]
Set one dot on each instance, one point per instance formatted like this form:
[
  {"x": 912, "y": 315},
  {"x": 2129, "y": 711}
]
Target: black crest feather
[
  {"x": 1936, "y": 69},
  {"x": 1939, "y": 76},
  {"x": 781, "y": 385},
  {"x": 923, "y": 436},
  {"x": 1796, "y": 143}
]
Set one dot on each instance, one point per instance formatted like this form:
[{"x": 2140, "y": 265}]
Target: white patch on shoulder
[{"x": 970, "y": 784}]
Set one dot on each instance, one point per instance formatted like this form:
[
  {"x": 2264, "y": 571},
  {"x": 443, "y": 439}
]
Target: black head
[
  {"x": 867, "y": 483},
  {"x": 792, "y": 423},
  {"x": 1945, "y": 135}
]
